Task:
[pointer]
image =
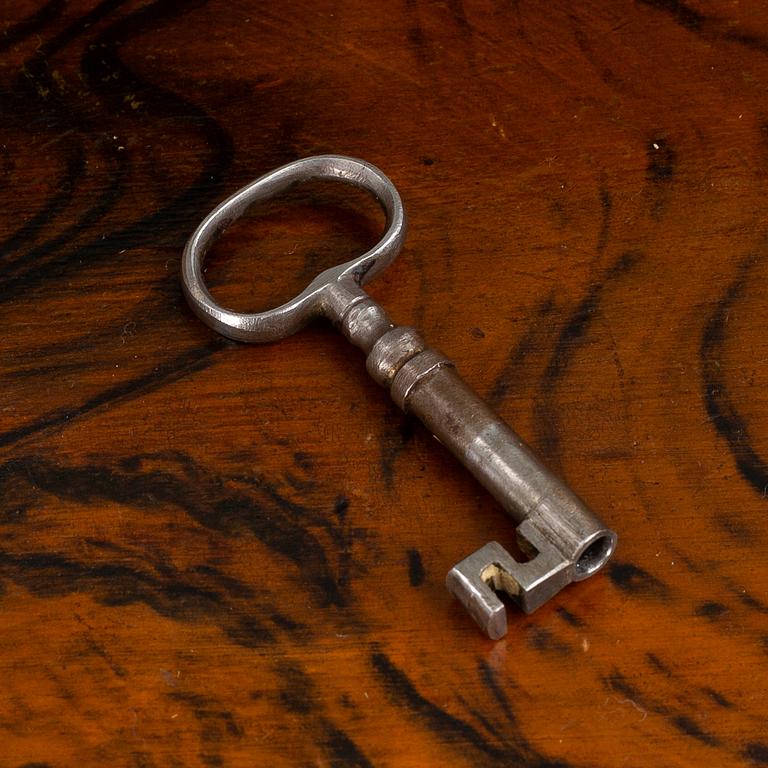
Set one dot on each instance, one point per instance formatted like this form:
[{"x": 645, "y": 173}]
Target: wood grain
[{"x": 215, "y": 554}]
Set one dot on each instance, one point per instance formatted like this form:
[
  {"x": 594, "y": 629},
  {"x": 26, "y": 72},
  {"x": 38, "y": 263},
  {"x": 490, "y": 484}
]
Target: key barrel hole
[{"x": 594, "y": 556}]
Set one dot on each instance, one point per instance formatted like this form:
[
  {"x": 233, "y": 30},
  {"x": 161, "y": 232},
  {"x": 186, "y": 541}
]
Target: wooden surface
[{"x": 215, "y": 554}]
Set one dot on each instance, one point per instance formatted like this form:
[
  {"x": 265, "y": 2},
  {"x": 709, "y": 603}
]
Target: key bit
[
  {"x": 477, "y": 579},
  {"x": 562, "y": 538}
]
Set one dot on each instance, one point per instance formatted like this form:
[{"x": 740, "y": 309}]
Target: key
[{"x": 562, "y": 540}]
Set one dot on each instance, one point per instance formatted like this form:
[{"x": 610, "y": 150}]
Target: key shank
[{"x": 563, "y": 538}]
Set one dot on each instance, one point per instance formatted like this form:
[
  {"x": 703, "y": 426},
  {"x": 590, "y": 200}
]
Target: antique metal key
[{"x": 561, "y": 538}]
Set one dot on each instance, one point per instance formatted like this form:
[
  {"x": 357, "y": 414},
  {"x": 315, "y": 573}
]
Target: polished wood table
[{"x": 216, "y": 554}]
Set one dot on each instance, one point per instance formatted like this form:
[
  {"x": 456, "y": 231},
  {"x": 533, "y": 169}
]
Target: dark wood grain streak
[
  {"x": 512, "y": 747},
  {"x": 110, "y": 80},
  {"x": 193, "y": 360},
  {"x": 720, "y": 406},
  {"x": 572, "y": 336}
]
